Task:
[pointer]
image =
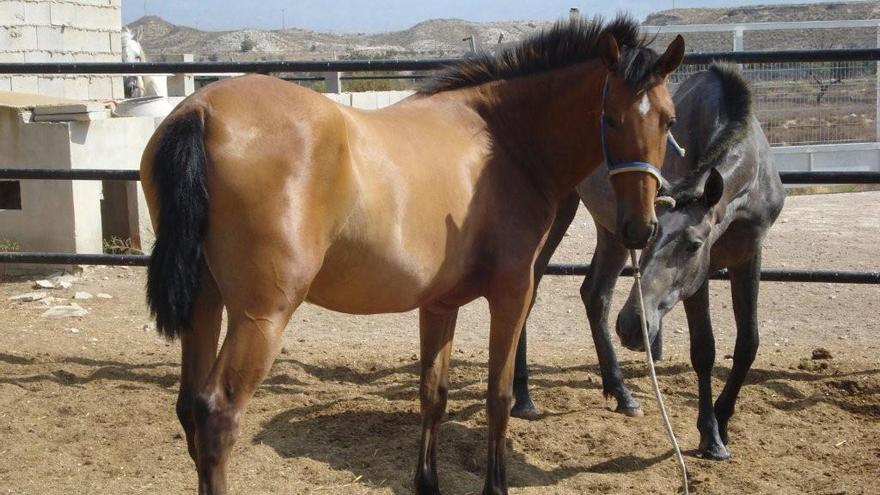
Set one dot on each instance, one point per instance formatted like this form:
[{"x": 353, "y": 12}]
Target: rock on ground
[
  {"x": 73, "y": 310},
  {"x": 29, "y": 296}
]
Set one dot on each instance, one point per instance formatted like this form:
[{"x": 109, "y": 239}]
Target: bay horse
[
  {"x": 727, "y": 195},
  {"x": 264, "y": 194}
]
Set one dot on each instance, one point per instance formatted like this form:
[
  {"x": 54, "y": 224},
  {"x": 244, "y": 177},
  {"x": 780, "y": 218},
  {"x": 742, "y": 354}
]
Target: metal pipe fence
[
  {"x": 134, "y": 175},
  {"x": 769, "y": 275},
  {"x": 838, "y": 81},
  {"x": 802, "y": 97}
]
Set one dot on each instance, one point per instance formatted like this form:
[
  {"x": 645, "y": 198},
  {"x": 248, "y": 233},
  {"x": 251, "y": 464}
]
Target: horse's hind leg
[
  {"x": 198, "y": 353},
  {"x": 260, "y": 292},
  {"x": 436, "y": 329},
  {"x": 703, "y": 359},
  {"x": 744, "y": 282}
]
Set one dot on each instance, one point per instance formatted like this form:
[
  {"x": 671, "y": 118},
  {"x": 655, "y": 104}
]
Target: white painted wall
[
  {"x": 850, "y": 157},
  {"x": 65, "y": 216}
]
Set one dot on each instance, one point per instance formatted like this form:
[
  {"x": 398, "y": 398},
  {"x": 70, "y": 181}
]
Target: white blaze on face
[{"x": 645, "y": 105}]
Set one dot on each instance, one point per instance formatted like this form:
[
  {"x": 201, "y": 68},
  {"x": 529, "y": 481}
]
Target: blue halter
[{"x": 634, "y": 166}]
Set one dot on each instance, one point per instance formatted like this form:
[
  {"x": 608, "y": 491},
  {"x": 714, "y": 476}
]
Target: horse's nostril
[{"x": 653, "y": 229}]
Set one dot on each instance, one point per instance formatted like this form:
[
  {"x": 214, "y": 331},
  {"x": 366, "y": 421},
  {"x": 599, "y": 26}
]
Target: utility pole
[{"x": 283, "y": 23}]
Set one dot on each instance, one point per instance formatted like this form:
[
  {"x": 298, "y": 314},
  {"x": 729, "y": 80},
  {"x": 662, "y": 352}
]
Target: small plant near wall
[
  {"x": 9, "y": 246},
  {"x": 116, "y": 245}
]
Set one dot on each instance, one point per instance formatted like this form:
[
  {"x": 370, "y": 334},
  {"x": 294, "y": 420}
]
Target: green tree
[{"x": 247, "y": 45}]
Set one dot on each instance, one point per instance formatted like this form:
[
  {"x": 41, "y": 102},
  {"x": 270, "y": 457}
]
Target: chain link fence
[{"x": 810, "y": 103}]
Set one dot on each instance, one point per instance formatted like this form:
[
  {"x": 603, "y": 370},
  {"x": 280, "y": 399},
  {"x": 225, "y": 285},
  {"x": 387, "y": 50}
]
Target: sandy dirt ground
[{"x": 87, "y": 404}]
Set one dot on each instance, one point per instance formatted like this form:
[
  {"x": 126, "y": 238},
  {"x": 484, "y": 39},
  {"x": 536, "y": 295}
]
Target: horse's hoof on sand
[
  {"x": 715, "y": 453},
  {"x": 424, "y": 487},
  {"x": 631, "y": 412},
  {"x": 528, "y": 412}
]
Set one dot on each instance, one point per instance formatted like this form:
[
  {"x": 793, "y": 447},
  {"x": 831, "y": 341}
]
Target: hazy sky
[{"x": 385, "y": 15}]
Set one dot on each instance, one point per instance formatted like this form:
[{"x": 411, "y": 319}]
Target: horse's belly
[{"x": 355, "y": 279}]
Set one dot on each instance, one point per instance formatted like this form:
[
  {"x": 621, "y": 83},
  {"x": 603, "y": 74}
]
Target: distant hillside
[
  {"x": 434, "y": 38},
  {"x": 774, "y": 40},
  {"x": 444, "y": 37},
  {"x": 768, "y": 13}
]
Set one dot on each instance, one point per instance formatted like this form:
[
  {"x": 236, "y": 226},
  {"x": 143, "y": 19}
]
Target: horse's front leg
[
  {"x": 744, "y": 282},
  {"x": 703, "y": 359},
  {"x": 596, "y": 291},
  {"x": 436, "y": 329},
  {"x": 523, "y": 406},
  {"x": 509, "y": 298}
]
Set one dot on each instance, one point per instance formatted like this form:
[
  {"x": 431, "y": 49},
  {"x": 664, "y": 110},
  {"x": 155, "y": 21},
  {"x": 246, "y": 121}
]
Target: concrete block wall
[
  {"x": 61, "y": 31},
  {"x": 65, "y": 216},
  {"x": 369, "y": 100}
]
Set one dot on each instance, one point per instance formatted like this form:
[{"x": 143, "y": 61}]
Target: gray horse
[{"x": 727, "y": 195}]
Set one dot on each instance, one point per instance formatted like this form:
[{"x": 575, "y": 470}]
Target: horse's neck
[
  {"x": 548, "y": 124},
  {"x": 155, "y": 85}
]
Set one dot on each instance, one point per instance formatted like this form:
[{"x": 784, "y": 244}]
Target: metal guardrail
[{"x": 740, "y": 57}]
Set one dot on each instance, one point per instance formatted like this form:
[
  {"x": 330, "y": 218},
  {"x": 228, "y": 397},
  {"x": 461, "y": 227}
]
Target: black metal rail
[
  {"x": 743, "y": 57},
  {"x": 830, "y": 177},
  {"x": 133, "y": 175},
  {"x": 74, "y": 174},
  {"x": 770, "y": 275}
]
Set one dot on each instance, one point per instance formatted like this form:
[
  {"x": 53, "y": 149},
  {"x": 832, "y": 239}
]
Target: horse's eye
[
  {"x": 694, "y": 246},
  {"x": 611, "y": 122}
]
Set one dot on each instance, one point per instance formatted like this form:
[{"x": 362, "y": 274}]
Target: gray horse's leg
[
  {"x": 523, "y": 406},
  {"x": 703, "y": 359},
  {"x": 596, "y": 291},
  {"x": 744, "y": 282}
]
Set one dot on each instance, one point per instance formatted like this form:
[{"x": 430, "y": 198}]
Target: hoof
[
  {"x": 427, "y": 485},
  {"x": 527, "y": 411},
  {"x": 631, "y": 412},
  {"x": 714, "y": 452}
]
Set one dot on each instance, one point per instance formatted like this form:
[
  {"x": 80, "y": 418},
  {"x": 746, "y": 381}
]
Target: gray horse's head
[{"x": 676, "y": 263}]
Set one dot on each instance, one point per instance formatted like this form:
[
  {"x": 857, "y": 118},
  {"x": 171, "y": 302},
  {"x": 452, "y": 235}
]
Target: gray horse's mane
[
  {"x": 566, "y": 43},
  {"x": 737, "y": 110}
]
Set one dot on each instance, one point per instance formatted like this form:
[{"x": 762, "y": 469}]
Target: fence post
[
  {"x": 738, "y": 38},
  {"x": 333, "y": 82},
  {"x": 181, "y": 84},
  {"x": 877, "y": 87}
]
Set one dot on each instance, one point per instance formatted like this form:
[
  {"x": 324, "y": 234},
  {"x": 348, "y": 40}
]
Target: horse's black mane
[
  {"x": 737, "y": 110},
  {"x": 565, "y": 44}
]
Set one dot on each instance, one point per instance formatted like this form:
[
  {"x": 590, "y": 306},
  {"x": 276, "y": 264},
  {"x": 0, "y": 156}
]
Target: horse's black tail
[{"x": 178, "y": 176}]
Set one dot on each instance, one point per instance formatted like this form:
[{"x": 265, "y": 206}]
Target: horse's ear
[
  {"x": 608, "y": 51},
  {"x": 714, "y": 188},
  {"x": 673, "y": 57}
]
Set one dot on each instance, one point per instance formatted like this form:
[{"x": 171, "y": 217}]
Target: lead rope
[{"x": 638, "y": 276}]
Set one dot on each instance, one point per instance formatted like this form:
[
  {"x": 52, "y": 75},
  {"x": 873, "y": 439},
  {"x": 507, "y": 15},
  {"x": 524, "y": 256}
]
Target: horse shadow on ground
[
  {"x": 132, "y": 376},
  {"x": 380, "y": 447}
]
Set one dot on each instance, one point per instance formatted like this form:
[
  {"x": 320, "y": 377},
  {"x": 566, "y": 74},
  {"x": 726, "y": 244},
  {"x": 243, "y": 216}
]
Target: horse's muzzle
[
  {"x": 637, "y": 235},
  {"x": 629, "y": 329}
]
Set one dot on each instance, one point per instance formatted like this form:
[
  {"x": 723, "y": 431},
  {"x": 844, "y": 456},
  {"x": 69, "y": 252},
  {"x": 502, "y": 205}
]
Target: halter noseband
[{"x": 633, "y": 166}]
